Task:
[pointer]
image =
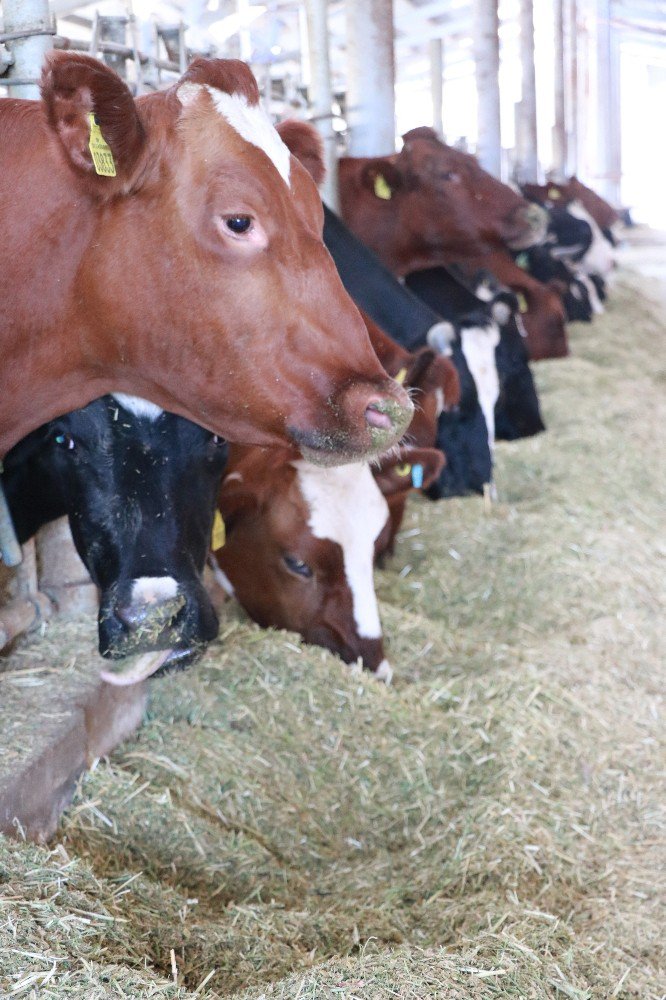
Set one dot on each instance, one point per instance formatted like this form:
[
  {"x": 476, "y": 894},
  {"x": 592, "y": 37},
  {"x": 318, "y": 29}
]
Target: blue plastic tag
[{"x": 417, "y": 476}]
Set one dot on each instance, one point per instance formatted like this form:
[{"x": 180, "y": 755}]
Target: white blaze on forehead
[
  {"x": 139, "y": 407},
  {"x": 478, "y": 346},
  {"x": 347, "y": 507},
  {"x": 249, "y": 120},
  {"x": 153, "y": 589}
]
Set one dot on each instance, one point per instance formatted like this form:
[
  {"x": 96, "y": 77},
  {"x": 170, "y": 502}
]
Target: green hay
[{"x": 491, "y": 826}]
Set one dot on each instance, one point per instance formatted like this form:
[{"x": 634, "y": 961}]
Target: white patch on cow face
[
  {"x": 347, "y": 507},
  {"x": 139, "y": 407},
  {"x": 251, "y": 122},
  {"x": 153, "y": 589},
  {"x": 478, "y": 346},
  {"x": 599, "y": 258}
]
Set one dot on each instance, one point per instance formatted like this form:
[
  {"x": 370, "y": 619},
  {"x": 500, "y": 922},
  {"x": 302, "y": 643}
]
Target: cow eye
[
  {"x": 238, "y": 224},
  {"x": 65, "y": 441},
  {"x": 219, "y": 441},
  {"x": 297, "y": 566}
]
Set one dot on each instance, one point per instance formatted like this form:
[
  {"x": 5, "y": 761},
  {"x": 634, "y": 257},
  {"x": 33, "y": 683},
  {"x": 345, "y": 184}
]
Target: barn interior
[{"x": 270, "y": 822}]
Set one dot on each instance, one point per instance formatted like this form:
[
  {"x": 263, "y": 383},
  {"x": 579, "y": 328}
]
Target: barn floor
[{"x": 490, "y": 826}]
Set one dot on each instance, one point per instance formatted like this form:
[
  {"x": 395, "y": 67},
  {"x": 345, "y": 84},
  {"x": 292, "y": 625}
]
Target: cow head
[
  {"x": 139, "y": 487},
  {"x": 299, "y": 551},
  {"x": 430, "y": 204},
  {"x": 205, "y": 271}
]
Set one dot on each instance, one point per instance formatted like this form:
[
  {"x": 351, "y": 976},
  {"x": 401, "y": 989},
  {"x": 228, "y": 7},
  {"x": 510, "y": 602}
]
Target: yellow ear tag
[
  {"x": 382, "y": 190},
  {"x": 403, "y": 470},
  {"x": 102, "y": 156},
  {"x": 554, "y": 194},
  {"x": 522, "y": 302},
  {"x": 401, "y": 376},
  {"x": 219, "y": 535}
]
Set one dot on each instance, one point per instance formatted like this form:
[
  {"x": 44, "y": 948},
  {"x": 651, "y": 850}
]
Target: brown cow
[
  {"x": 430, "y": 204},
  {"x": 194, "y": 277}
]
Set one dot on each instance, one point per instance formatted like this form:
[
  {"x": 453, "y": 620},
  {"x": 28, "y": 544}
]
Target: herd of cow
[{"x": 175, "y": 294}]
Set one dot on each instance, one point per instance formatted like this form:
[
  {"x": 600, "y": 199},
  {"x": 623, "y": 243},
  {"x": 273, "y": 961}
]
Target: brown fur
[
  {"x": 126, "y": 284},
  {"x": 443, "y": 205},
  {"x": 306, "y": 145}
]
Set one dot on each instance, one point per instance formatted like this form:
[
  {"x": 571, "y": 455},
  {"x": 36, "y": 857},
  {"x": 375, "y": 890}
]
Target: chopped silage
[{"x": 492, "y": 826}]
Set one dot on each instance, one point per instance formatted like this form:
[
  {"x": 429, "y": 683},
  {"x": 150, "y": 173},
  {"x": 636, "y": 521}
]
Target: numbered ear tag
[
  {"x": 382, "y": 190},
  {"x": 417, "y": 476},
  {"x": 522, "y": 261},
  {"x": 219, "y": 535},
  {"x": 522, "y": 302},
  {"x": 102, "y": 156},
  {"x": 401, "y": 376},
  {"x": 403, "y": 470},
  {"x": 554, "y": 194}
]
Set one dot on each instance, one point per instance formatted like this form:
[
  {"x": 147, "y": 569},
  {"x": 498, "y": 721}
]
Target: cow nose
[
  {"x": 154, "y": 603},
  {"x": 387, "y": 414}
]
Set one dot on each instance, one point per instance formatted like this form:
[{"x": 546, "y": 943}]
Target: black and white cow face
[{"x": 139, "y": 487}]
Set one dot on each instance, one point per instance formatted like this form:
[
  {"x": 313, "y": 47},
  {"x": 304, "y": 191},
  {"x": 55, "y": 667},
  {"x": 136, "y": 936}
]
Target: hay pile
[{"x": 492, "y": 826}]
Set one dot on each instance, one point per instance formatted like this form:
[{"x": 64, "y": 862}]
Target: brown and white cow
[
  {"x": 430, "y": 204},
  {"x": 190, "y": 271},
  {"x": 300, "y": 545},
  {"x": 299, "y": 550}
]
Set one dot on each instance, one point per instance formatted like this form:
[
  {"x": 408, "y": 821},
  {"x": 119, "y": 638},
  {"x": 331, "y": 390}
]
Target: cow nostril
[
  {"x": 147, "y": 619},
  {"x": 375, "y": 418}
]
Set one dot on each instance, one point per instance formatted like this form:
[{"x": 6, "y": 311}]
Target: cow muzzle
[
  {"x": 367, "y": 420},
  {"x": 526, "y": 227},
  {"x": 157, "y": 614}
]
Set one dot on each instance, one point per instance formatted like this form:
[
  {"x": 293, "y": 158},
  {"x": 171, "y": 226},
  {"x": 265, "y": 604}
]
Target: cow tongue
[{"x": 138, "y": 669}]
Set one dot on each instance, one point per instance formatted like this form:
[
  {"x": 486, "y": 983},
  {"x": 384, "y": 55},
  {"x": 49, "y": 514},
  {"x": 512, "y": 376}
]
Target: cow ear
[
  {"x": 94, "y": 115},
  {"x": 230, "y": 76},
  {"x": 383, "y": 178},
  {"x": 305, "y": 143},
  {"x": 411, "y": 468}
]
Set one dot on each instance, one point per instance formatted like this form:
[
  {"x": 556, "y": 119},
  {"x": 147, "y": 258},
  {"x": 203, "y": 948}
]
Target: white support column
[
  {"x": 371, "y": 73},
  {"x": 486, "y": 57},
  {"x": 30, "y": 23},
  {"x": 571, "y": 92},
  {"x": 321, "y": 94},
  {"x": 437, "y": 84},
  {"x": 559, "y": 127},
  {"x": 527, "y": 166},
  {"x": 608, "y": 157}
]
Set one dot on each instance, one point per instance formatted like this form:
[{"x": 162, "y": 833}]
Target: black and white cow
[
  {"x": 462, "y": 433},
  {"x": 487, "y": 321},
  {"x": 139, "y": 487},
  {"x": 578, "y": 294}
]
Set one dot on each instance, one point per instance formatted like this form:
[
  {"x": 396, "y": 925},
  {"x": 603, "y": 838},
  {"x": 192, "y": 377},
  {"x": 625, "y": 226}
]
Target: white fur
[
  {"x": 153, "y": 589},
  {"x": 596, "y": 303},
  {"x": 599, "y": 258},
  {"x": 250, "y": 121},
  {"x": 346, "y": 506},
  {"x": 478, "y": 346},
  {"x": 139, "y": 407},
  {"x": 441, "y": 336}
]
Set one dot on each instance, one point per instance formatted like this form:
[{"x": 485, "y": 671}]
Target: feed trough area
[{"x": 490, "y": 825}]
